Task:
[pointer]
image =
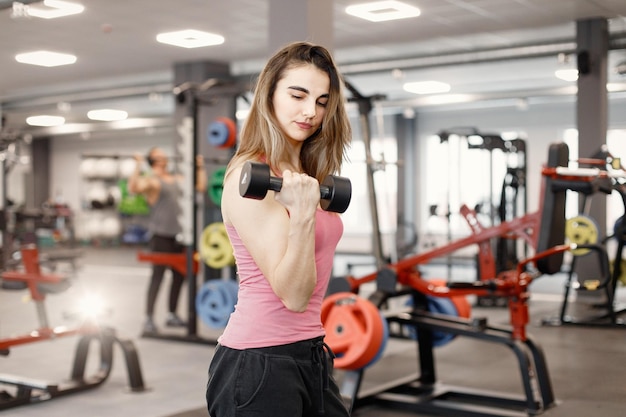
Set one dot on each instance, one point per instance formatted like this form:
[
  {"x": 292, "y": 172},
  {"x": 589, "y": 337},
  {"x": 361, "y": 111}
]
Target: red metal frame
[
  {"x": 33, "y": 276},
  {"x": 178, "y": 261},
  {"x": 512, "y": 284}
]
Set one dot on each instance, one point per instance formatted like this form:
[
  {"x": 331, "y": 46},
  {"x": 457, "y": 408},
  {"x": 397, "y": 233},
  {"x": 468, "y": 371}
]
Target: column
[
  {"x": 592, "y": 115},
  {"x": 300, "y": 20}
]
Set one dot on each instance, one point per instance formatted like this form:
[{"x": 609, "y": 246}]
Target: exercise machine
[
  {"x": 604, "y": 175},
  {"x": 15, "y": 390},
  {"x": 422, "y": 392}
]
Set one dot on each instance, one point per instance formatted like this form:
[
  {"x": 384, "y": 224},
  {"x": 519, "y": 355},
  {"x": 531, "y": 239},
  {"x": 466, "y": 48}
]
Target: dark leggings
[
  {"x": 169, "y": 245},
  {"x": 293, "y": 380}
]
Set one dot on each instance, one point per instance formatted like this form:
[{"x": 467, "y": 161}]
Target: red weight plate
[{"x": 354, "y": 329}]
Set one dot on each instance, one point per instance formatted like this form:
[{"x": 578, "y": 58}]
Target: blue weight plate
[
  {"x": 440, "y": 305},
  {"x": 215, "y": 302},
  {"x": 217, "y": 134}
]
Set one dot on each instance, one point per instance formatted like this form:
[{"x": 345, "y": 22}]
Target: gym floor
[{"x": 585, "y": 363}]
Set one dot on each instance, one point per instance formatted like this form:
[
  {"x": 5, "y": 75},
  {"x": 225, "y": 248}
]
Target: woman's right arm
[{"x": 279, "y": 233}]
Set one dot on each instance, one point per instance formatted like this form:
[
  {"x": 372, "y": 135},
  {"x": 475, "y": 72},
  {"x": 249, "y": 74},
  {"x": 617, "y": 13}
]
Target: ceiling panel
[{"x": 116, "y": 47}]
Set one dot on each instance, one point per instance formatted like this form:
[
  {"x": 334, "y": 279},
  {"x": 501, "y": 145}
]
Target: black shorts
[{"x": 290, "y": 380}]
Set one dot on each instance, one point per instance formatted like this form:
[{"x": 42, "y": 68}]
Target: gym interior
[{"x": 480, "y": 272}]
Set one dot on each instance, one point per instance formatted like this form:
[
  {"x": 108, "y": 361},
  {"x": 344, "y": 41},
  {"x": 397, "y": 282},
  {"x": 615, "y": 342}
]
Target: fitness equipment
[
  {"x": 506, "y": 160},
  {"x": 222, "y": 133},
  {"x": 131, "y": 204},
  {"x": 126, "y": 162},
  {"x": 216, "y": 301},
  {"x": 135, "y": 233},
  {"x": 190, "y": 96},
  {"x": 216, "y": 186},
  {"x": 214, "y": 246},
  {"x": 581, "y": 230},
  {"x": 455, "y": 306},
  {"x": 127, "y": 167},
  {"x": 106, "y": 168},
  {"x": 544, "y": 230},
  {"x": 356, "y": 331},
  {"x": 365, "y": 107},
  {"x": 88, "y": 168},
  {"x": 177, "y": 261},
  {"x": 255, "y": 181},
  {"x": 28, "y": 391},
  {"x": 111, "y": 227}
]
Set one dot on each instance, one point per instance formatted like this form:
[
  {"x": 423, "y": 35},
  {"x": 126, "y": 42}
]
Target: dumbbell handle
[{"x": 276, "y": 184}]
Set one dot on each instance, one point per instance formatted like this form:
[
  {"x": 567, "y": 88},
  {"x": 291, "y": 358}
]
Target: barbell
[{"x": 255, "y": 181}]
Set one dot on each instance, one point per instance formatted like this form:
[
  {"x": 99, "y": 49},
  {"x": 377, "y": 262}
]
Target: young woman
[{"x": 271, "y": 359}]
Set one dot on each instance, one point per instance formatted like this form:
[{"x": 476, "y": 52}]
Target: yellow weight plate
[
  {"x": 581, "y": 230},
  {"x": 214, "y": 246}
]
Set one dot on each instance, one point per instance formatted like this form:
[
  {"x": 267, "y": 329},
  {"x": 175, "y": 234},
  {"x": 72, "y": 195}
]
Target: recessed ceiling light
[
  {"x": 45, "y": 58},
  {"x": 107, "y": 115},
  {"x": 54, "y": 9},
  {"x": 45, "y": 120},
  {"x": 567, "y": 74},
  {"x": 190, "y": 38},
  {"x": 381, "y": 11},
  {"x": 427, "y": 87}
]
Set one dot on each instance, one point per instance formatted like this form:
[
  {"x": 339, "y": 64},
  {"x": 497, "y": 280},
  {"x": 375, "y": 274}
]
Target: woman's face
[{"x": 300, "y": 101}]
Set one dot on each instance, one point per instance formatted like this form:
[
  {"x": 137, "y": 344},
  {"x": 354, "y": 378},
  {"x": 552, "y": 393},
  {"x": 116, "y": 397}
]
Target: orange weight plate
[{"x": 354, "y": 329}]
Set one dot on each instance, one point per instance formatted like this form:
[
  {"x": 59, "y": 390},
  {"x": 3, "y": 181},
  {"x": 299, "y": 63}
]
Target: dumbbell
[{"x": 255, "y": 181}]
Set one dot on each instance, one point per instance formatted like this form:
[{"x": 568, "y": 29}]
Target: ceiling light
[
  {"x": 567, "y": 74},
  {"x": 45, "y": 58},
  {"x": 45, "y": 120},
  {"x": 190, "y": 38},
  {"x": 54, "y": 9},
  {"x": 615, "y": 87},
  {"x": 381, "y": 11},
  {"x": 107, "y": 115},
  {"x": 427, "y": 87}
]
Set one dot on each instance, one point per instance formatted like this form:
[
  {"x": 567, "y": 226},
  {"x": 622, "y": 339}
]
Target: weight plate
[
  {"x": 439, "y": 305},
  {"x": 341, "y": 194},
  {"x": 216, "y": 186},
  {"x": 619, "y": 231},
  {"x": 215, "y": 302},
  {"x": 581, "y": 230},
  {"x": 214, "y": 246},
  {"x": 222, "y": 133},
  {"x": 355, "y": 330}
]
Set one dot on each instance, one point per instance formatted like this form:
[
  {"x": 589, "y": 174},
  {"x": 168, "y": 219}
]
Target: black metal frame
[
  {"x": 29, "y": 391},
  {"x": 609, "y": 279},
  {"x": 422, "y": 393}
]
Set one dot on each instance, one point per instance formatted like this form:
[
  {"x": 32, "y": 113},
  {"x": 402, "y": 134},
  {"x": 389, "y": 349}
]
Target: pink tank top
[{"x": 260, "y": 318}]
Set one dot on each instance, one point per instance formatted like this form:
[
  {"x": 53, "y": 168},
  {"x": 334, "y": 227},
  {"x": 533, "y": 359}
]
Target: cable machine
[{"x": 497, "y": 205}]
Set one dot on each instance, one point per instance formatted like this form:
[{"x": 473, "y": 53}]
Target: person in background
[
  {"x": 161, "y": 190},
  {"x": 271, "y": 359}
]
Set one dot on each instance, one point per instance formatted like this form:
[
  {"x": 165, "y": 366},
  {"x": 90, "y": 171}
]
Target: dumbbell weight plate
[
  {"x": 339, "y": 192},
  {"x": 254, "y": 181}
]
